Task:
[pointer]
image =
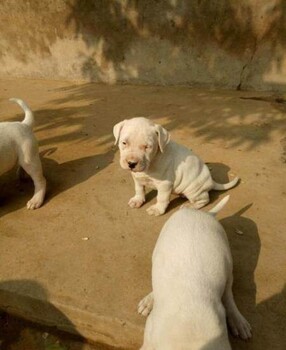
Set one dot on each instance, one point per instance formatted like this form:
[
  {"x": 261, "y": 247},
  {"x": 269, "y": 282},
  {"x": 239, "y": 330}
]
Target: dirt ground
[{"x": 82, "y": 261}]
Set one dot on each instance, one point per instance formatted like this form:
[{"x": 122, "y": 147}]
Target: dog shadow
[
  {"x": 219, "y": 172},
  {"x": 60, "y": 177},
  {"x": 63, "y": 176},
  {"x": 271, "y": 322},
  {"x": 245, "y": 246},
  {"x": 268, "y": 318}
]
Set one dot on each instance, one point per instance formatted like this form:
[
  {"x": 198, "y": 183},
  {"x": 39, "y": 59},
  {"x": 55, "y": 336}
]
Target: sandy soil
[{"x": 92, "y": 287}]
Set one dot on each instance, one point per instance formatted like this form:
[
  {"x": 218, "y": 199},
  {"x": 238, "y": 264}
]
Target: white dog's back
[
  {"x": 18, "y": 146},
  {"x": 14, "y": 135},
  {"x": 192, "y": 247},
  {"x": 189, "y": 262}
]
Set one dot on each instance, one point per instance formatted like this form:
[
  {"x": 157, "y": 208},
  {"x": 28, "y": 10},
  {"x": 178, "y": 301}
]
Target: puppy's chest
[{"x": 146, "y": 180}]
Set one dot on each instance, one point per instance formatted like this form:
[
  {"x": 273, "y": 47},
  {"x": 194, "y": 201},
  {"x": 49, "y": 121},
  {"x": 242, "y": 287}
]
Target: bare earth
[{"x": 82, "y": 261}]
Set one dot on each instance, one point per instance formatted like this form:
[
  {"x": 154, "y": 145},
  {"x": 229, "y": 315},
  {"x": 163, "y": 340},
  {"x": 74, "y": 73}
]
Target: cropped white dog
[
  {"x": 158, "y": 163},
  {"x": 18, "y": 145},
  {"x": 192, "y": 286}
]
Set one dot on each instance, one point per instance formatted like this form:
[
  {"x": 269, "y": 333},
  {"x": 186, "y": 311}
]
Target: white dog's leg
[
  {"x": 147, "y": 345},
  {"x": 145, "y": 306},
  {"x": 237, "y": 323},
  {"x": 200, "y": 201},
  {"x": 163, "y": 200},
  {"x": 31, "y": 163},
  {"x": 139, "y": 198}
]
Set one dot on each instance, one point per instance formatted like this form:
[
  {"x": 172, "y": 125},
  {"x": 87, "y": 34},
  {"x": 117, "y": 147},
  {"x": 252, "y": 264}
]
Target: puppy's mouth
[
  {"x": 137, "y": 170},
  {"x": 139, "y": 167},
  {"x": 134, "y": 166}
]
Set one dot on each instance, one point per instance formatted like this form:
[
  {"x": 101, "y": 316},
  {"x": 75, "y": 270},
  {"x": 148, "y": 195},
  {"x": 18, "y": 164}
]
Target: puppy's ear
[
  {"x": 163, "y": 137},
  {"x": 117, "y": 129}
]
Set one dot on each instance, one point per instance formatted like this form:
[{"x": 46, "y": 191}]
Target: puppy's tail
[
  {"x": 29, "y": 117},
  {"x": 219, "y": 206},
  {"x": 227, "y": 186}
]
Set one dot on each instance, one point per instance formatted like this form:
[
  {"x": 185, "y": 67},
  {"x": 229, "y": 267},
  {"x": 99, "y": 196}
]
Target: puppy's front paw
[
  {"x": 156, "y": 210},
  {"x": 35, "y": 202},
  {"x": 136, "y": 202},
  {"x": 146, "y": 305},
  {"x": 239, "y": 326}
]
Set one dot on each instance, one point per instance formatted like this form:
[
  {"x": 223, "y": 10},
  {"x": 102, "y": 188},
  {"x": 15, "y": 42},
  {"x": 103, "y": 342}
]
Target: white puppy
[
  {"x": 18, "y": 145},
  {"x": 161, "y": 164},
  {"x": 192, "y": 286}
]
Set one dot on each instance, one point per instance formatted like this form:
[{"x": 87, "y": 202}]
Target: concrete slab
[{"x": 49, "y": 274}]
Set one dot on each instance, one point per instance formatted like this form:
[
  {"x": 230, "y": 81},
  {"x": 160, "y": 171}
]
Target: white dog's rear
[
  {"x": 18, "y": 145},
  {"x": 192, "y": 286}
]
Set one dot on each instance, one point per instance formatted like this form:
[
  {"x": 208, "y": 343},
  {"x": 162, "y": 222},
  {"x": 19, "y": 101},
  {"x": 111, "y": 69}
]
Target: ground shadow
[
  {"x": 210, "y": 116},
  {"x": 63, "y": 176},
  {"x": 219, "y": 173},
  {"x": 88, "y": 112},
  {"x": 245, "y": 248},
  {"x": 270, "y": 321},
  {"x": 30, "y": 300},
  {"x": 60, "y": 177}
]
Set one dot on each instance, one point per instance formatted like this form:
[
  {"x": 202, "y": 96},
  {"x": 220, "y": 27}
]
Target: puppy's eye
[
  {"x": 147, "y": 146},
  {"x": 124, "y": 143}
]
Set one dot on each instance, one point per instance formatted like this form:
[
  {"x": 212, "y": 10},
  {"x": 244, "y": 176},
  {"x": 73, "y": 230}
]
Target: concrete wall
[{"x": 237, "y": 44}]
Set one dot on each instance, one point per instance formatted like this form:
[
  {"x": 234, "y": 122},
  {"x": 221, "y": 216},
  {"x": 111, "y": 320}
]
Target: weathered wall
[{"x": 222, "y": 43}]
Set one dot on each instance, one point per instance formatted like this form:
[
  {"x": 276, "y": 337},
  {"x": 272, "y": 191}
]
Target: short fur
[
  {"x": 164, "y": 165},
  {"x": 192, "y": 287}
]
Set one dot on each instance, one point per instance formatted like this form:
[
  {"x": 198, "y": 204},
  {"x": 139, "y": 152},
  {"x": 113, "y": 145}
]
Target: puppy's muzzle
[{"x": 132, "y": 165}]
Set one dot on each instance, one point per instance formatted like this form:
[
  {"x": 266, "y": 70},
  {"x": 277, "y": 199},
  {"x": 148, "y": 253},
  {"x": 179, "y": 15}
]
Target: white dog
[
  {"x": 161, "y": 164},
  {"x": 192, "y": 286},
  {"x": 18, "y": 145}
]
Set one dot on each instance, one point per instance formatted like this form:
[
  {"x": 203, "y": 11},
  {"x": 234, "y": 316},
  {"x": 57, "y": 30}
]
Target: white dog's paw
[
  {"x": 35, "y": 202},
  {"x": 156, "y": 210},
  {"x": 239, "y": 326},
  {"x": 146, "y": 305},
  {"x": 136, "y": 202}
]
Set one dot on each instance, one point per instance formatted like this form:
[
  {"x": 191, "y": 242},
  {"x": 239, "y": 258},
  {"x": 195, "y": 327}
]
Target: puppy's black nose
[{"x": 132, "y": 165}]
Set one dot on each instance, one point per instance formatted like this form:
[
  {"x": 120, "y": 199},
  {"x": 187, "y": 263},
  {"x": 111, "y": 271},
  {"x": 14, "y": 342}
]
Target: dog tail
[
  {"x": 29, "y": 117},
  {"x": 227, "y": 186},
  {"x": 219, "y": 206}
]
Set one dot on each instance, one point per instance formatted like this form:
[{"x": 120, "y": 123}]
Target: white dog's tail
[
  {"x": 227, "y": 186},
  {"x": 219, "y": 206},
  {"x": 29, "y": 117}
]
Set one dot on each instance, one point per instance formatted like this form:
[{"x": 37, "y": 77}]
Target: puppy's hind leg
[
  {"x": 30, "y": 161},
  {"x": 238, "y": 324},
  {"x": 200, "y": 201}
]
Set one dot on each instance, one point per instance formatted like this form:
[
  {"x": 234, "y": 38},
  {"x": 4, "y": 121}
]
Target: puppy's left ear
[
  {"x": 117, "y": 129},
  {"x": 163, "y": 137}
]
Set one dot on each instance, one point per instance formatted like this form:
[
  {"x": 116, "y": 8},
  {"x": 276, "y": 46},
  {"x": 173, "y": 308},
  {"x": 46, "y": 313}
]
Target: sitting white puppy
[
  {"x": 161, "y": 164},
  {"x": 18, "y": 145},
  {"x": 192, "y": 286}
]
